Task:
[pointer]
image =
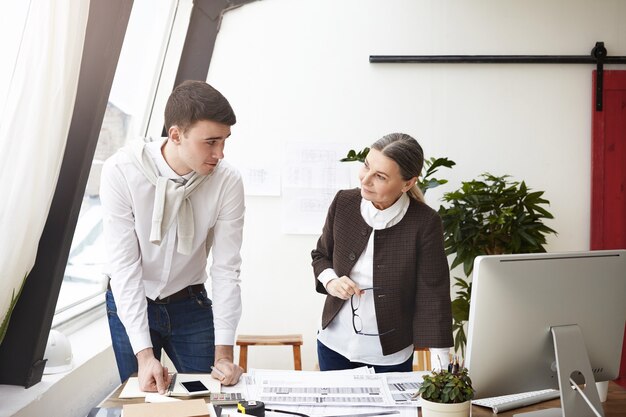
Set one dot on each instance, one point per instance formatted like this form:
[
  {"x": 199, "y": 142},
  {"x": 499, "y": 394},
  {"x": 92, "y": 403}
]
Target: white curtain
[{"x": 37, "y": 93}]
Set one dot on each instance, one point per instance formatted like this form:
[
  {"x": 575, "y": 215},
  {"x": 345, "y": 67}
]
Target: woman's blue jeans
[
  {"x": 329, "y": 360},
  {"x": 184, "y": 329}
]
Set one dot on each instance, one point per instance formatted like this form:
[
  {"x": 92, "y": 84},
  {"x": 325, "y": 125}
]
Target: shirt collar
[
  {"x": 154, "y": 150},
  {"x": 372, "y": 215}
]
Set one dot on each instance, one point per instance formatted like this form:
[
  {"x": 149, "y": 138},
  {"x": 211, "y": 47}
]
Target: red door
[{"x": 608, "y": 173}]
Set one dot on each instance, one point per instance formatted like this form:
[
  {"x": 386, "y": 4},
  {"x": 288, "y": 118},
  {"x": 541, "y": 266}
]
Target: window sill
[
  {"x": 70, "y": 320},
  {"x": 73, "y": 393}
]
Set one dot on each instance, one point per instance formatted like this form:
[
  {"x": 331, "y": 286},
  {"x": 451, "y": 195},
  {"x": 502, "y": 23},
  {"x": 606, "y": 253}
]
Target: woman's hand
[{"x": 342, "y": 287}]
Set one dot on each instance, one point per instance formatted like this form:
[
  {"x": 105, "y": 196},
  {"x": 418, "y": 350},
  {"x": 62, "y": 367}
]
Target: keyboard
[{"x": 509, "y": 402}]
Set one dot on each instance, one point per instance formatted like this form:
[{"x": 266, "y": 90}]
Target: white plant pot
[{"x": 430, "y": 409}]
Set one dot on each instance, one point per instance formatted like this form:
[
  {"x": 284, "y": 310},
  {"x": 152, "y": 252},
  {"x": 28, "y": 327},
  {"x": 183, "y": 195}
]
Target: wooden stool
[
  {"x": 422, "y": 360},
  {"x": 243, "y": 341}
]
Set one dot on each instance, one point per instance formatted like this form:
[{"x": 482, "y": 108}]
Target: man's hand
[
  {"x": 152, "y": 376},
  {"x": 342, "y": 287},
  {"x": 224, "y": 369}
]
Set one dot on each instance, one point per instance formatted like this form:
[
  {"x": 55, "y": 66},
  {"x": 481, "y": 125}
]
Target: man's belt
[{"x": 183, "y": 294}]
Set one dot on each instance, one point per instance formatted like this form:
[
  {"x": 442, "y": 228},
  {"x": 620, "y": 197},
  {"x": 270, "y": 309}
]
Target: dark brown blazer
[{"x": 410, "y": 269}]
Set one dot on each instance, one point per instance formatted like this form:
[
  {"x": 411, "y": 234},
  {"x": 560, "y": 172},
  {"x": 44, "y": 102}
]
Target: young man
[{"x": 166, "y": 204}]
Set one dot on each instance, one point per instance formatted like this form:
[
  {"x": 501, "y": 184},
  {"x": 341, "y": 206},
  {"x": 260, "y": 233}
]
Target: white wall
[{"x": 299, "y": 71}]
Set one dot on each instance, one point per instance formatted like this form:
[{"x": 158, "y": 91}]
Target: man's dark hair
[{"x": 192, "y": 101}]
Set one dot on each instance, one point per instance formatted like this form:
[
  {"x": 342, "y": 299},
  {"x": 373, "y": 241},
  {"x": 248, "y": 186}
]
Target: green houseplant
[
  {"x": 425, "y": 181},
  {"x": 446, "y": 392},
  {"x": 487, "y": 216},
  {"x": 447, "y": 387}
]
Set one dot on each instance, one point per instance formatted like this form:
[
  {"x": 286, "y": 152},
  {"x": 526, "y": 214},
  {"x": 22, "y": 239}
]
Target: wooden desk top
[{"x": 615, "y": 405}]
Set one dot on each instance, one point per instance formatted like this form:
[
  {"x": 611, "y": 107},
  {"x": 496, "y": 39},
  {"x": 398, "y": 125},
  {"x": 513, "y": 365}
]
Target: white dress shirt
[
  {"x": 339, "y": 335},
  {"x": 140, "y": 269}
]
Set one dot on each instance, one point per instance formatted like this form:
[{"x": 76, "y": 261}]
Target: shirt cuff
[
  {"x": 139, "y": 342},
  {"x": 224, "y": 337},
  {"x": 326, "y": 275},
  {"x": 439, "y": 357}
]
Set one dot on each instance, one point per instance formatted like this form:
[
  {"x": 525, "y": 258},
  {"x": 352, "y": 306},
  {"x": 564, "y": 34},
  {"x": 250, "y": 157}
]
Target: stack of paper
[{"x": 351, "y": 392}]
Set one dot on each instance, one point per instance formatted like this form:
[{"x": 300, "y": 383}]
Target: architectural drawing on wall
[
  {"x": 312, "y": 175},
  {"x": 261, "y": 181}
]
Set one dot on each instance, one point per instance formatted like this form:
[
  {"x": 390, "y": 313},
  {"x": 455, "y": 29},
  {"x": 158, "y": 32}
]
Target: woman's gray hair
[{"x": 407, "y": 153}]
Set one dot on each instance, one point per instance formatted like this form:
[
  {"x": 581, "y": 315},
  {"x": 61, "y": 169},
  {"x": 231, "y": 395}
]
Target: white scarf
[{"x": 171, "y": 199}]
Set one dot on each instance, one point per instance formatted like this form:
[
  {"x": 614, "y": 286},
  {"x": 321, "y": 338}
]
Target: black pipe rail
[{"x": 597, "y": 57}]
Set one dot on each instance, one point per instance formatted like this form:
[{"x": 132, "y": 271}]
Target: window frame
[{"x": 21, "y": 352}]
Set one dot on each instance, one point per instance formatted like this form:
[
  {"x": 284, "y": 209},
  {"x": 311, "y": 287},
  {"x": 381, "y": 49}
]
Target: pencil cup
[{"x": 603, "y": 389}]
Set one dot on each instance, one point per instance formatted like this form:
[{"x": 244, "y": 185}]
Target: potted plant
[
  {"x": 488, "y": 216},
  {"x": 446, "y": 393},
  {"x": 425, "y": 181}
]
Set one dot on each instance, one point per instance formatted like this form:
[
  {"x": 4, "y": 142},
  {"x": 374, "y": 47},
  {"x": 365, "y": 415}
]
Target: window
[{"x": 128, "y": 115}]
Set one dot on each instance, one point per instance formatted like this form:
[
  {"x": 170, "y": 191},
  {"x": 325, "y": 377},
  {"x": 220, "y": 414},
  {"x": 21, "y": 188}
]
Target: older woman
[{"x": 381, "y": 263}]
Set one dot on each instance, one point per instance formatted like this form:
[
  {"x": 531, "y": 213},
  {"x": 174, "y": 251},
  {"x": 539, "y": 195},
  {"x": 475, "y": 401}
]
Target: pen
[
  {"x": 455, "y": 367},
  {"x": 218, "y": 372},
  {"x": 170, "y": 387}
]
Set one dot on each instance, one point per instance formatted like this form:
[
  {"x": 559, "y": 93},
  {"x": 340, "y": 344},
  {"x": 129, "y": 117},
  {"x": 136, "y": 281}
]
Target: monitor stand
[{"x": 572, "y": 361}]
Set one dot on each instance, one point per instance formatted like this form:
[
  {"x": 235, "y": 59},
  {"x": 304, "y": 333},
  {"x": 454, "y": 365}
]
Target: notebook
[{"x": 131, "y": 388}]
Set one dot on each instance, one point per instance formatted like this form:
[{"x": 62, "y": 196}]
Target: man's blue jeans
[{"x": 184, "y": 329}]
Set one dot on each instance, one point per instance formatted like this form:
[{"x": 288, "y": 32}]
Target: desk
[{"x": 615, "y": 405}]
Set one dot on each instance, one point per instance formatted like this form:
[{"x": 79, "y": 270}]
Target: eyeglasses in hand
[{"x": 357, "y": 323}]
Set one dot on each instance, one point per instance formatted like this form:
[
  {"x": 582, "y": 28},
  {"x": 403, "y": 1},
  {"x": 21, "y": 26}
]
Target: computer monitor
[{"x": 523, "y": 306}]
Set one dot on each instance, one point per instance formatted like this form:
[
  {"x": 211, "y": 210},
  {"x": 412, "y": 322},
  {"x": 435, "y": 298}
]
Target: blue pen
[{"x": 455, "y": 367}]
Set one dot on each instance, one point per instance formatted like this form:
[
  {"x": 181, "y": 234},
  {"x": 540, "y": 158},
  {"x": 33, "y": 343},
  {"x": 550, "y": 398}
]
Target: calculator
[{"x": 225, "y": 398}]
